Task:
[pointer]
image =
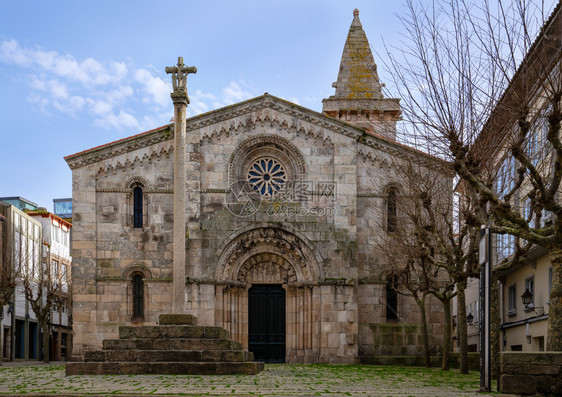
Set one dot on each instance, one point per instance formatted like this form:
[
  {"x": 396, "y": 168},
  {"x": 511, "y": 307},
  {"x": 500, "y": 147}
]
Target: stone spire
[
  {"x": 358, "y": 99},
  {"x": 358, "y": 76}
]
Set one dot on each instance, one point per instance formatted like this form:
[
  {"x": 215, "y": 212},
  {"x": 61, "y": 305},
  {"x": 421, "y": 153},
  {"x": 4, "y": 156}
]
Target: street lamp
[
  {"x": 527, "y": 299},
  {"x": 469, "y": 318}
]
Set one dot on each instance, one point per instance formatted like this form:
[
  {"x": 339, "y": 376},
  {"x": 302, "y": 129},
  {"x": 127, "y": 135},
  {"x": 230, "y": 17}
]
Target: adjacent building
[
  {"x": 34, "y": 240},
  {"x": 56, "y": 253},
  {"x": 63, "y": 208},
  {"x": 22, "y": 245}
]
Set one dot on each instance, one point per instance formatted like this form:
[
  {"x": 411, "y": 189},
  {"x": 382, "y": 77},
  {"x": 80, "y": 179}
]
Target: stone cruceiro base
[{"x": 176, "y": 346}]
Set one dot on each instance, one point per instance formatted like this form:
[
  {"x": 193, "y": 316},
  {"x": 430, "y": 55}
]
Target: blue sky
[{"x": 77, "y": 74}]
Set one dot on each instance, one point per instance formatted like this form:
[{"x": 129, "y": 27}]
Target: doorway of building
[
  {"x": 19, "y": 339},
  {"x": 32, "y": 340},
  {"x": 266, "y": 317}
]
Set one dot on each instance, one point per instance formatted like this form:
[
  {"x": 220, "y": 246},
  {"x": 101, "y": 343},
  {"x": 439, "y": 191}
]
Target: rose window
[{"x": 267, "y": 176}]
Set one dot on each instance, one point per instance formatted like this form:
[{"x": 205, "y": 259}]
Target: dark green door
[{"x": 266, "y": 311}]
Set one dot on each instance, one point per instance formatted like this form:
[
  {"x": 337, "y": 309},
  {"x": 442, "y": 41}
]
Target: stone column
[{"x": 181, "y": 100}]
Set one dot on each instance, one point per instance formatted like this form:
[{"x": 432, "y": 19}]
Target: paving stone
[{"x": 38, "y": 379}]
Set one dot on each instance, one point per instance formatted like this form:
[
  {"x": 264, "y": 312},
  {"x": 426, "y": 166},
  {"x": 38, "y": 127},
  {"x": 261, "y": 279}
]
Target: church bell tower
[{"x": 358, "y": 99}]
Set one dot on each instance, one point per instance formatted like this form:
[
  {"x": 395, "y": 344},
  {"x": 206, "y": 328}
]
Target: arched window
[
  {"x": 138, "y": 296},
  {"x": 137, "y": 206},
  {"x": 391, "y": 218},
  {"x": 392, "y": 299}
]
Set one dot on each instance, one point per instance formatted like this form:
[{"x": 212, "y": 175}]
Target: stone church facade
[{"x": 284, "y": 205}]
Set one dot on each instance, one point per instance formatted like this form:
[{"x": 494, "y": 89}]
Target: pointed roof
[{"x": 357, "y": 78}]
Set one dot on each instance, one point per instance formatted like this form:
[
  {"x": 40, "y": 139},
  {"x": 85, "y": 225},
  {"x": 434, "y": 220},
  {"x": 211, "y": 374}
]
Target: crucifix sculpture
[
  {"x": 181, "y": 100},
  {"x": 179, "y": 78}
]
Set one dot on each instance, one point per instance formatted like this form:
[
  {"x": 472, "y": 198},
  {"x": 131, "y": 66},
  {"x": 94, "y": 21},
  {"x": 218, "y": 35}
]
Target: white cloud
[
  {"x": 310, "y": 99},
  {"x": 104, "y": 90},
  {"x": 58, "y": 90},
  {"x": 39, "y": 85},
  {"x": 118, "y": 121},
  {"x": 203, "y": 95},
  {"x": 100, "y": 108},
  {"x": 158, "y": 90},
  {"x": 199, "y": 107},
  {"x": 84, "y": 88},
  {"x": 199, "y": 101},
  {"x": 235, "y": 93},
  {"x": 11, "y": 52}
]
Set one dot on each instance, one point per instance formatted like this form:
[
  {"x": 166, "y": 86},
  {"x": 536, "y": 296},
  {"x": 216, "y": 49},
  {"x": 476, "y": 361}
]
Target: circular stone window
[{"x": 267, "y": 176}]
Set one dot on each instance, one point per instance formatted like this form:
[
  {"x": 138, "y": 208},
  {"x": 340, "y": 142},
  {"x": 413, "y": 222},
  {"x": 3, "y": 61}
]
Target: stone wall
[
  {"x": 418, "y": 361},
  {"x": 399, "y": 339},
  {"x": 531, "y": 373}
]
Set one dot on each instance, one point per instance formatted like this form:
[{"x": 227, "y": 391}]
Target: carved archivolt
[
  {"x": 136, "y": 180},
  {"x": 267, "y": 268},
  {"x": 136, "y": 269},
  {"x": 268, "y": 255}
]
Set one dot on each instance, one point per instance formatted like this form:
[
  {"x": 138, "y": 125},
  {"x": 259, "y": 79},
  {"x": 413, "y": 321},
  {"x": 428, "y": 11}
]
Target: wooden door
[{"x": 266, "y": 311}]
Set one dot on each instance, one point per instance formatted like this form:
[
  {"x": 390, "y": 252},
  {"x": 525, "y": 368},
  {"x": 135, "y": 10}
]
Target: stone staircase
[{"x": 176, "y": 346}]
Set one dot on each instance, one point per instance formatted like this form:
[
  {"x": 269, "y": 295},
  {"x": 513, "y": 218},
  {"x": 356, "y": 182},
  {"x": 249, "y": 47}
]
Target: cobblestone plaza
[{"x": 276, "y": 380}]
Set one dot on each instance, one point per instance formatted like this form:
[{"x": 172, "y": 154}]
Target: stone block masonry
[
  {"x": 176, "y": 346},
  {"x": 531, "y": 373}
]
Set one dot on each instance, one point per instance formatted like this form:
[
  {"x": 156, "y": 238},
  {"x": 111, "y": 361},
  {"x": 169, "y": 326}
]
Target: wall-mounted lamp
[
  {"x": 469, "y": 319},
  {"x": 527, "y": 299}
]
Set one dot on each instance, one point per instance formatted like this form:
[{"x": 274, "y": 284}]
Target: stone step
[
  {"x": 172, "y": 331},
  {"x": 168, "y": 356},
  {"x": 171, "y": 344},
  {"x": 163, "y": 368},
  {"x": 177, "y": 319}
]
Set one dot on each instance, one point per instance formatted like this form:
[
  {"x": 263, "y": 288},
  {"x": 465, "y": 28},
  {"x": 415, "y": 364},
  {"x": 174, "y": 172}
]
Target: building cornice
[
  {"x": 298, "y": 118},
  {"x": 121, "y": 146}
]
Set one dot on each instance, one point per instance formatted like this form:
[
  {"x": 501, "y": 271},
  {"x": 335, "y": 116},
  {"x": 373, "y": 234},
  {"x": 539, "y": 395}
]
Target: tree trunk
[
  {"x": 425, "y": 336},
  {"x": 494, "y": 326},
  {"x": 461, "y": 321},
  {"x": 1, "y": 341},
  {"x": 46, "y": 350},
  {"x": 554, "y": 333},
  {"x": 446, "y": 364}
]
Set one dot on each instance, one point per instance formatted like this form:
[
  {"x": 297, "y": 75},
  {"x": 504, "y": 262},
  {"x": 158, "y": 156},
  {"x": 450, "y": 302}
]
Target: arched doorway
[{"x": 266, "y": 282}]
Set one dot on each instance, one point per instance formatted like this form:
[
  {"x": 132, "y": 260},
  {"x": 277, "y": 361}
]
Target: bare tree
[
  {"x": 8, "y": 272},
  {"x": 430, "y": 252},
  {"x": 480, "y": 89},
  {"x": 42, "y": 284},
  {"x": 404, "y": 262}
]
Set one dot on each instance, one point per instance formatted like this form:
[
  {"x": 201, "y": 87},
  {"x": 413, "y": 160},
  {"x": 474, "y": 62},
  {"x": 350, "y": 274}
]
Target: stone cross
[
  {"x": 179, "y": 75},
  {"x": 181, "y": 100}
]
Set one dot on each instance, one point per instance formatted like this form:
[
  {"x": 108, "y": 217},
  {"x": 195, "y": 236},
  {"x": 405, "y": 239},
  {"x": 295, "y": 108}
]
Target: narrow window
[
  {"x": 512, "y": 300},
  {"x": 138, "y": 296},
  {"x": 137, "y": 206},
  {"x": 530, "y": 286},
  {"x": 391, "y": 211},
  {"x": 391, "y": 299}
]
